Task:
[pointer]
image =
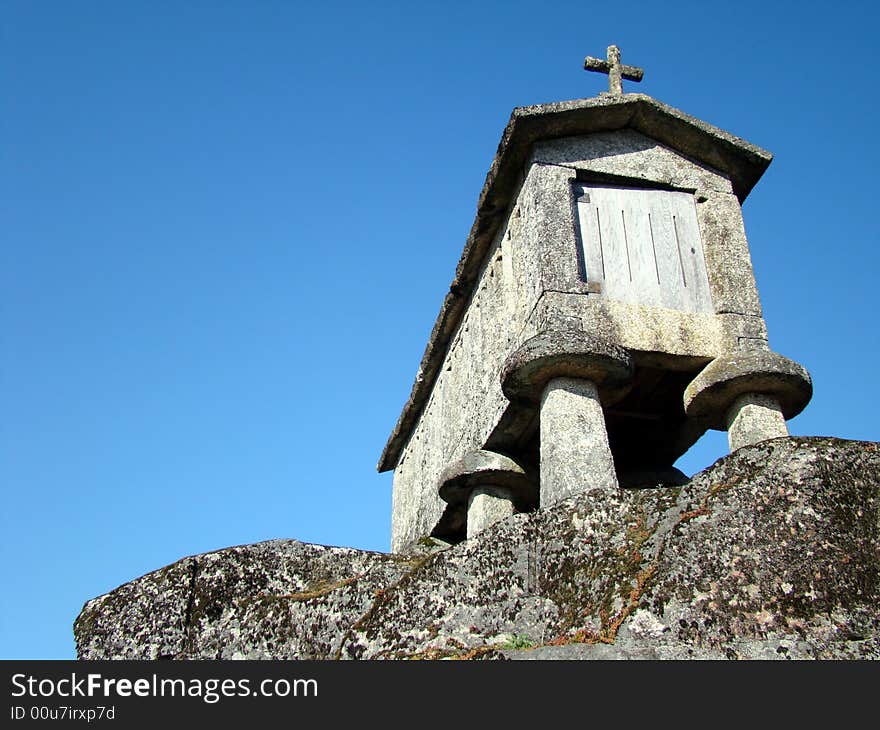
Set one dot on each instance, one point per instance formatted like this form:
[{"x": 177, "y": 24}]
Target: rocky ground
[{"x": 773, "y": 552}]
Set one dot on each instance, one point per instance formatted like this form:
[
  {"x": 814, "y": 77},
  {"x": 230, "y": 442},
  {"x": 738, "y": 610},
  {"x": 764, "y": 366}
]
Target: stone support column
[
  {"x": 753, "y": 418},
  {"x": 489, "y": 486},
  {"x": 486, "y": 506},
  {"x": 751, "y": 395},
  {"x": 569, "y": 375},
  {"x": 575, "y": 454}
]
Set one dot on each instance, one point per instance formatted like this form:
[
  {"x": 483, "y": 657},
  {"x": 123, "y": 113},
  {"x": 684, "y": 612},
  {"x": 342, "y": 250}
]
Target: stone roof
[{"x": 742, "y": 162}]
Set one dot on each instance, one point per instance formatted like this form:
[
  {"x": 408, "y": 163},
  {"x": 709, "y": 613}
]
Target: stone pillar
[
  {"x": 753, "y": 418},
  {"x": 486, "y": 506},
  {"x": 565, "y": 373},
  {"x": 575, "y": 454},
  {"x": 489, "y": 486},
  {"x": 749, "y": 394}
]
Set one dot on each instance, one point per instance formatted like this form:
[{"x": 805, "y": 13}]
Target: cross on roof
[{"x": 615, "y": 70}]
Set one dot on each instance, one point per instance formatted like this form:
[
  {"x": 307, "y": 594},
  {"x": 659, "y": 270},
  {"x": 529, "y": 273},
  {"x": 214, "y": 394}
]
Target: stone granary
[{"x": 603, "y": 316}]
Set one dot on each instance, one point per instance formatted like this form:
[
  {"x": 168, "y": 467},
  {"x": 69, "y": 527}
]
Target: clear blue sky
[{"x": 227, "y": 228}]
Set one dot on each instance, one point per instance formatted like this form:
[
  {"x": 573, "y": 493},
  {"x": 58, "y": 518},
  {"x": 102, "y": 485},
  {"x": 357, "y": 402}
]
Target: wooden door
[{"x": 643, "y": 246}]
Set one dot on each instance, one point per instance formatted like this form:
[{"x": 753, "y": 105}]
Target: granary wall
[
  {"x": 466, "y": 400},
  {"x": 531, "y": 281},
  {"x": 627, "y": 157}
]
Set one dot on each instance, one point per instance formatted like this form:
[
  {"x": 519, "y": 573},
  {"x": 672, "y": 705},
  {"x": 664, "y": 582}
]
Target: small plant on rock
[{"x": 518, "y": 641}]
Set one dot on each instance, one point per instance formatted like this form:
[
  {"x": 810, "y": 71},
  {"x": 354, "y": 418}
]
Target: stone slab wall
[
  {"x": 629, "y": 158},
  {"x": 466, "y": 401}
]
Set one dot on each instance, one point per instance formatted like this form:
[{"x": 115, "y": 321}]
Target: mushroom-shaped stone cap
[
  {"x": 484, "y": 469},
  {"x": 726, "y": 378},
  {"x": 564, "y": 354}
]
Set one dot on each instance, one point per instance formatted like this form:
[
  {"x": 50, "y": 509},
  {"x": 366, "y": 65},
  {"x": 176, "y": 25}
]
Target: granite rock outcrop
[{"x": 772, "y": 552}]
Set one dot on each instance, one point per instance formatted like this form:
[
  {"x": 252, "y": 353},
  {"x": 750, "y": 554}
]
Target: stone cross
[{"x": 615, "y": 69}]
